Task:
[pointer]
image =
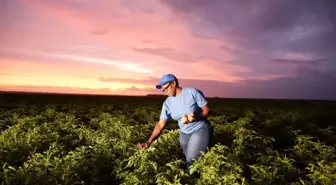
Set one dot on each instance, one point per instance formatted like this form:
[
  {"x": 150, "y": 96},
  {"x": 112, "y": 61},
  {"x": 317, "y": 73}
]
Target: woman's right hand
[{"x": 144, "y": 145}]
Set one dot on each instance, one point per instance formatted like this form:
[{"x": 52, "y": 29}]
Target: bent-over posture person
[{"x": 190, "y": 108}]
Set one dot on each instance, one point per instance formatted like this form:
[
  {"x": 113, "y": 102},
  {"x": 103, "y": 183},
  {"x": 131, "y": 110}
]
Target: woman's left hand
[
  {"x": 185, "y": 119},
  {"x": 191, "y": 117}
]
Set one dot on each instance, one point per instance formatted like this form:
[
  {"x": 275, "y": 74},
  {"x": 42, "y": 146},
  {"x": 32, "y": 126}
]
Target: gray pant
[{"x": 192, "y": 144}]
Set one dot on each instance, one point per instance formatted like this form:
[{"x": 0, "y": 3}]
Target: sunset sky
[{"x": 226, "y": 48}]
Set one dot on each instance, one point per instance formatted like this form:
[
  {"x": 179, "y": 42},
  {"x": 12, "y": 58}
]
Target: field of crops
[{"x": 93, "y": 140}]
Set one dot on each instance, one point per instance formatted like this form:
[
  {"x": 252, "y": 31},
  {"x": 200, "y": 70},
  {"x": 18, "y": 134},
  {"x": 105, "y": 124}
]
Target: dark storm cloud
[
  {"x": 266, "y": 33},
  {"x": 298, "y": 61},
  {"x": 284, "y": 88},
  {"x": 297, "y": 26}
]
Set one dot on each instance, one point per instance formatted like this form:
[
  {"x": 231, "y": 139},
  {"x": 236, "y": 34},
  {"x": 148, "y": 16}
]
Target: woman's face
[{"x": 168, "y": 89}]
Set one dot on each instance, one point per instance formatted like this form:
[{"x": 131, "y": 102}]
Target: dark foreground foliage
[{"x": 53, "y": 139}]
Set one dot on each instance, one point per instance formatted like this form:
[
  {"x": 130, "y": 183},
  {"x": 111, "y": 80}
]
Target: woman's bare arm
[{"x": 157, "y": 130}]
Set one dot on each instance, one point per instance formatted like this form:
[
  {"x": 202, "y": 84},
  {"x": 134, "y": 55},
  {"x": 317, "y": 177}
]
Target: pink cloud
[
  {"x": 147, "y": 81},
  {"x": 126, "y": 33}
]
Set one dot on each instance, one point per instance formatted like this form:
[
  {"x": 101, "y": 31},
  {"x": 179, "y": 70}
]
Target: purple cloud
[
  {"x": 264, "y": 33},
  {"x": 267, "y": 27},
  {"x": 298, "y": 61}
]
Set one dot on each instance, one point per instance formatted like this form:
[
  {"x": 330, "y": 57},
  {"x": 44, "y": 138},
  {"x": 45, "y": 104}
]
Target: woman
[{"x": 190, "y": 108}]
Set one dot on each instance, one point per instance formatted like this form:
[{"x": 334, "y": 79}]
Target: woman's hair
[{"x": 176, "y": 82}]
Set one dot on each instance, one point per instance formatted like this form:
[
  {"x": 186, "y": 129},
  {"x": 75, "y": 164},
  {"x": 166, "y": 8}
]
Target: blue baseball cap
[{"x": 164, "y": 79}]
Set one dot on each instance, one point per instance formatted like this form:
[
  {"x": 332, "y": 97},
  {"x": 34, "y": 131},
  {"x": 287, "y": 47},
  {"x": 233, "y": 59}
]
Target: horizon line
[{"x": 152, "y": 95}]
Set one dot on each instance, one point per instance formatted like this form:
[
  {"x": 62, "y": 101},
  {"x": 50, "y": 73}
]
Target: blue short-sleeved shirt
[{"x": 189, "y": 100}]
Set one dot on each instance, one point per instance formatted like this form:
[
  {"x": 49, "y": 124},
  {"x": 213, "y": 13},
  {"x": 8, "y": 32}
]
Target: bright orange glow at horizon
[{"x": 66, "y": 75}]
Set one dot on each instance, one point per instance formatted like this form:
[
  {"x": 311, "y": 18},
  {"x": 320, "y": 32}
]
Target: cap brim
[{"x": 158, "y": 86}]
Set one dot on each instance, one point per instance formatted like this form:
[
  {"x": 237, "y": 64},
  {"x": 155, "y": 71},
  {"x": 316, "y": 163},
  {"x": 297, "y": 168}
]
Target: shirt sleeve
[
  {"x": 200, "y": 98},
  {"x": 165, "y": 113}
]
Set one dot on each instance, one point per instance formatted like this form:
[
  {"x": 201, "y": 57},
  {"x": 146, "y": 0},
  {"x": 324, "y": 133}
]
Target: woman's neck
[{"x": 178, "y": 91}]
